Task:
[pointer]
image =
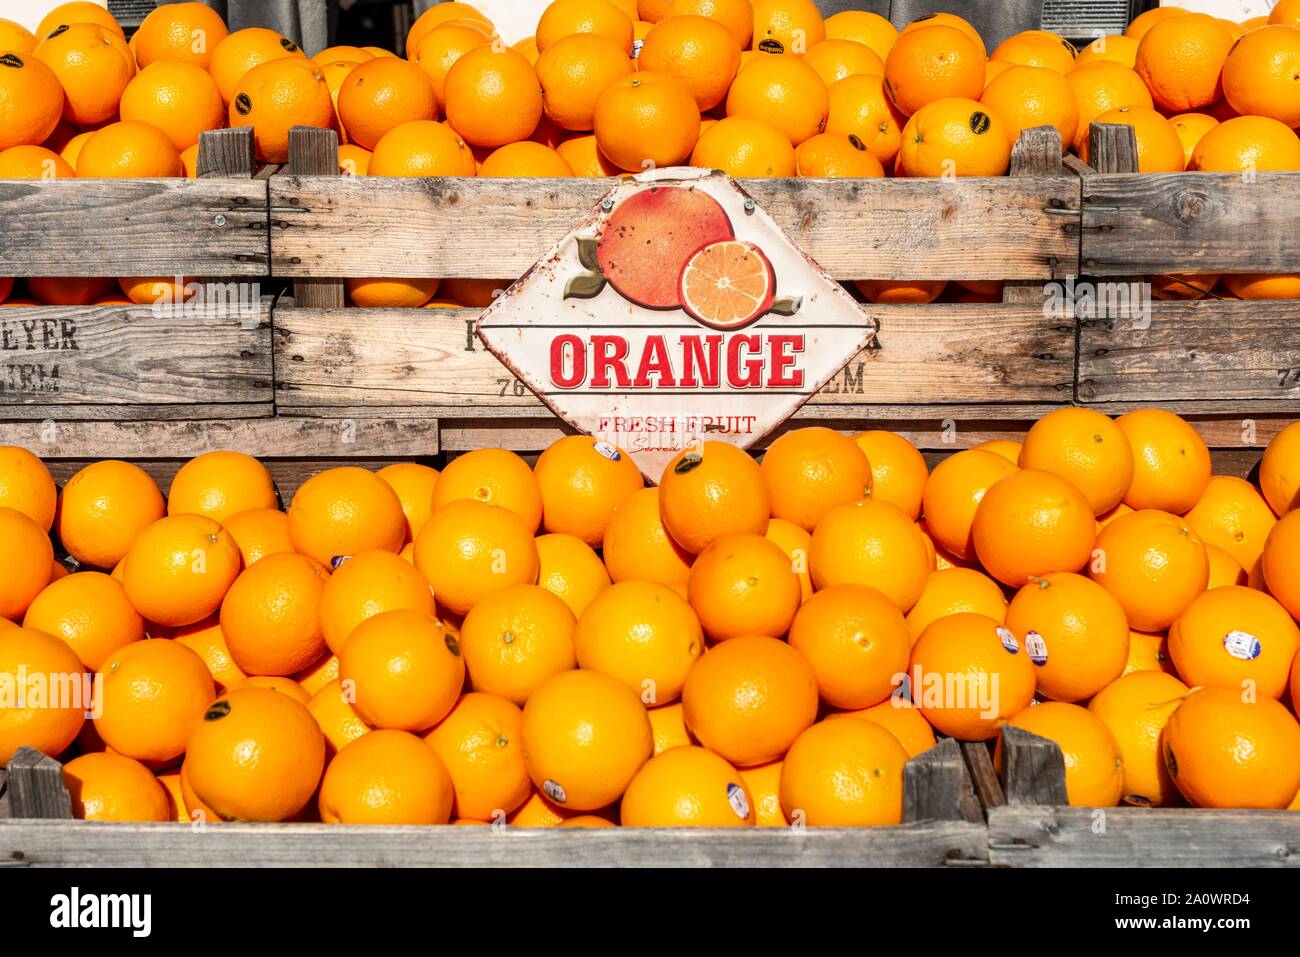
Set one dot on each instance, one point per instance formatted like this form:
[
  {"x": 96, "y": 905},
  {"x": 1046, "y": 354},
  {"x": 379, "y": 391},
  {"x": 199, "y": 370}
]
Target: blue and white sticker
[
  {"x": 553, "y": 791},
  {"x": 1243, "y": 645},
  {"x": 609, "y": 451},
  {"x": 1036, "y": 645},
  {"x": 738, "y": 801},
  {"x": 1009, "y": 640}
]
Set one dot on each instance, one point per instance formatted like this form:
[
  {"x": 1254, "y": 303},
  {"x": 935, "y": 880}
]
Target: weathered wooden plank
[
  {"x": 1206, "y": 349},
  {"x": 315, "y": 152},
  {"x": 1033, "y": 768},
  {"x": 936, "y": 787},
  {"x": 984, "y": 779},
  {"x": 40, "y": 843},
  {"x": 980, "y": 353},
  {"x": 262, "y": 438},
  {"x": 227, "y": 154},
  {"x": 327, "y": 226},
  {"x": 1038, "y": 836},
  {"x": 35, "y": 788},
  {"x": 133, "y": 227},
  {"x": 55, "y": 412},
  {"x": 4, "y": 794},
  {"x": 1191, "y": 222},
  {"x": 1037, "y": 152},
  {"x": 134, "y": 355},
  {"x": 1112, "y": 148}
]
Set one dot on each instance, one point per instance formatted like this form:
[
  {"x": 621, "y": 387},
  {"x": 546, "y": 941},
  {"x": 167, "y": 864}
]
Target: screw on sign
[{"x": 677, "y": 311}]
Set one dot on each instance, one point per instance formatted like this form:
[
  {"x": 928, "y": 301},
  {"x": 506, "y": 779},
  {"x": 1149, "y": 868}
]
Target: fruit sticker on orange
[{"x": 676, "y": 311}]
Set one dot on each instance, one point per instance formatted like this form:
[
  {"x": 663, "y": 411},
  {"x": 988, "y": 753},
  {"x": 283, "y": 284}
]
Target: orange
[
  {"x": 221, "y": 484},
  {"x": 709, "y": 491},
  {"x": 1143, "y": 22},
  {"x": 318, "y": 675},
  {"x": 1235, "y": 637},
  {"x": 33, "y": 162},
  {"x": 1148, "y": 652},
  {"x": 1181, "y": 60},
  {"x": 637, "y": 545},
  {"x": 492, "y": 477},
  {"x": 391, "y": 293},
  {"x": 584, "y": 157},
  {"x": 343, "y": 54},
  {"x": 179, "y": 569},
  {"x": 1109, "y": 49},
  {"x": 406, "y": 668},
  {"x": 469, "y": 549},
  {"x": 1224, "y": 569},
  {"x": 1263, "y": 285},
  {"x": 749, "y": 698},
  {"x": 1029, "y": 96},
  {"x": 1136, "y": 708},
  {"x": 67, "y": 290},
  {"x": 90, "y": 612},
  {"x": 131, "y": 150},
  {"x": 344, "y": 511},
  {"x": 380, "y": 95},
  {"x": 541, "y": 812},
  {"x": 1082, "y": 642},
  {"x": 1154, "y": 563},
  {"x": 870, "y": 543},
  {"x": 857, "y": 643},
  {"x": 1233, "y": 515},
  {"x": 812, "y": 470},
  {"x": 947, "y": 20},
  {"x": 103, "y": 508},
  {"x": 257, "y": 755},
  {"x": 796, "y": 543},
  {"x": 746, "y": 149},
  {"x": 353, "y": 160},
  {"x": 1094, "y": 771},
  {"x": 669, "y": 725},
  {"x": 687, "y": 787},
  {"x": 283, "y": 685},
  {"x": 366, "y": 585},
  {"x": 647, "y": 120},
  {"x": 111, "y": 787},
  {"x": 582, "y": 481},
  {"x": 652, "y": 11},
  {"x": 834, "y": 60},
  {"x": 332, "y": 708},
  {"x": 386, "y": 777},
  {"x": 481, "y": 744},
  {"x": 16, "y": 37},
  {"x": 493, "y": 97},
  {"x": 1160, "y": 150},
  {"x": 271, "y": 617},
  {"x": 1247, "y": 144},
  {"x": 917, "y": 292},
  {"x": 1037, "y": 48},
  {"x": 31, "y": 100},
  {"x": 643, "y": 634},
  {"x": 181, "y": 99},
  {"x": 900, "y": 718},
  {"x": 441, "y": 47},
  {"x": 206, "y": 640},
  {"x": 1085, "y": 447},
  {"x": 1226, "y": 752},
  {"x": 954, "y": 137},
  {"x": 280, "y": 94},
  {"x": 515, "y": 638},
  {"x": 870, "y": 29},
  {"x": 585, "y": 737},
  {"x": 1279, "y": 470},
  {"x": 1171, "y": 461},
  {"x": 951, "y": 591},
  {"x": 258, "y": 532},
  {"x": 570, "y": 569},
  {"x": 787, "y": 26},
  {"x": 953, "y": 493},
  {"x": 162, "y": 291},
  {"x": 844, "y": 774},
  {"x": 154, "y": 696},
  {"x": 47, "y": 720},
  {"x": 479, "y": 293},
  {"x": 440, "y": 14},
  {"x": 898, "y": 470},
  {"x": 80, "y": 11},
  {"x": 860, "y": 107},
  {"x": 93, "y": 65},
  {"x": 738, "y": 16},
  {"x": 784, "y": 92},
  {"x": 185, "y": 32},
  {"x": 563, "y": 18},
  {"x": 26, "y": 485},
  {"x": 1100, "y": 88},
  {"x": 969, "y": 674},
  {"x": 743, "y": 584},
  {"x": 1285, "y": 12},
  {"x": 933, "y": 63},
  {"x": 575, "y": 71},
  {"x": 245, "y": 49},
  {"x": 414, "y": 485},
  {"x": 700, "y": 51},
  {"x": 833, "y": 154}
]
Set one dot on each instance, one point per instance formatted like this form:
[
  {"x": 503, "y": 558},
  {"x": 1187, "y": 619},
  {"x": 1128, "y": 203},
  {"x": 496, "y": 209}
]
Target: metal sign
[{"x": 676, "y": 312}]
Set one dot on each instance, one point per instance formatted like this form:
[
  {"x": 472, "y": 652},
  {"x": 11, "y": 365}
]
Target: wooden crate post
[
  {"x": 315, "y": 152},
  {"x": 1112, "y": 148},
  {"x": 35, "y": 787},
  {"x": 936, "y": 787},
  {"x": 1037, "y": 153},
  {"x": 1033, "y": 769},
  {"x": 226, "y": 154}
]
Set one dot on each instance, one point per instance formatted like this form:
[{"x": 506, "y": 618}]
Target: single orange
[
  {"x": 1154, "y": 563},
  {"x": 259, "y": 532},
  {"x": 37, "y": 724},
  {"x": 1111, "y": 48},
  {"x": 493, "y": 477},
  {"x": 271, "y": 616},
  {"x": 860, "y": 107},
  {"x": 93, "y": 65},
  {"x": 812, "y": 470},
  {"x": 709, "y": 491},
  {"x": 951, "y": 591},
  {"x": 700, "y": 51},
  {"x": 406, "y": 667},
  {"x": 647, "y": 120},
  {"x": 1235, "y": 637},
  {"x": 582, "y": 481},
  {"x": 933, "y": 63},
  {"x": 687, "y": 787},
  {"x": 1136, "y": 708},
  {"x": 129, "y": 150},
  {"x": 870, "y": 29},
  {"x": 1037, "y": 48},
  {"x": 241, "y": 51},
  {"x": 386, "y": 777},
  {"x": 391, "y": 293},
  {"x": 745, "y": 148},
  {"x": 220, "y": 484},
  {"x": 112, "y": 787},
  {"x": 179, "y": 569},
  {"x": 743, "y": 584},
  {"x": 1171, "y": 461},
  {"x": 33, "y": 162},
  {"x": 1233, "y": 515},
  {"x": 1181, "y": 61},
  {"x": 955, "y": 136},
  {"x": 181, "y": 99},
  {"x": 898, "y": 470},
  {"x": 784, "y": 92},
  {"x": 1085, "y": 447},
  {"x": 787, "y": 26},
  {"x": 515, "y": 638},
  {"x": 154, "y": 695},
  {"x": 345, "y": 511},
  {"x": 1280, "y": 571},
  {"x": 278, "y": 95},
  {"x": 26, "y": 485},
  {"x": 382, "y": 94},
  {"x": 738, "y": 16},
  {"x": 1191, "y": 129},
  {"x": 26, "y": 557},
  {"x": 575, "y": 71},
  {"x": 1100, "y": 88},
  {"x": 481, "y": 744},
  {"x": 493, "y": 97},
  {"x": 440, "y": 14},
  {"x": 1030, "y": 96},
  {"x": 844, "y": 773},
  {"x": 413, "y": 484},
  {"x": 563, "y": 18},
  {"x": 179, "y": 32},
  {"x": 469, "y": 549},
  {"x": 870, "y": 543},
  {"x": 637, "y": 545},
  {"x": 1247, "y": 144},
  {"x": 857, "y": 643},
  {"x": 953, "y": 493},
  {"x": 90, "y": 612}
]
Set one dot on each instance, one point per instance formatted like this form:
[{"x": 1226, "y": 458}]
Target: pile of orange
[{"x": 753, "y": 641}]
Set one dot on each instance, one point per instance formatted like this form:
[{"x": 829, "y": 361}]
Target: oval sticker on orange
[{"x": 677, "y": 311}]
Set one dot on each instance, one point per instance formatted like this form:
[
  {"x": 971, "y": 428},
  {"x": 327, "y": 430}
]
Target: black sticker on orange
[
  {"x": 288, "y": 44},
  {"x": 12, "y": 60},
  {"x": 771, "y": 46},
  {"x": 980, "y": 122},
  {"x": 856, "y": 143},
  {"x": 244, "y": 104},
  {"x": 61, "y": 28}
]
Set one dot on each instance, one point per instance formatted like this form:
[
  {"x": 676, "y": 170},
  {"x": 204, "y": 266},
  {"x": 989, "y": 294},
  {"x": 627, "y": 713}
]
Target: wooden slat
[
  {"x": 133, "y": 227},
  {"x": 1037, "y": 836},
  {"x": 936, "y": 787},
  {"x": 1205, "y": 349},
  {"x": 35, "y": 788},
  {"x": 1037, "y": 152},
  {"x": 1033, "y": 768},
  {"x": 107, "y": 413},
  {"x": 133, "y": 355},
  {"x": 327, "y": 226},
  {"x": 262, "y": 438},
  {"x": 977, "y": 353},
  {"x": 1191, "y": 222},
  {"x": 984, "y": 779},
  {"x": 41, "y": 843},
  {"x": 315, "y": 152},
  {"x": 227, "y": 154}
]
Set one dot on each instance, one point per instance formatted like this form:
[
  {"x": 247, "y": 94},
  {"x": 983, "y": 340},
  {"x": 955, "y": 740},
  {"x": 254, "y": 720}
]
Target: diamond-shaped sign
[{"x": 676, "y": 312}]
